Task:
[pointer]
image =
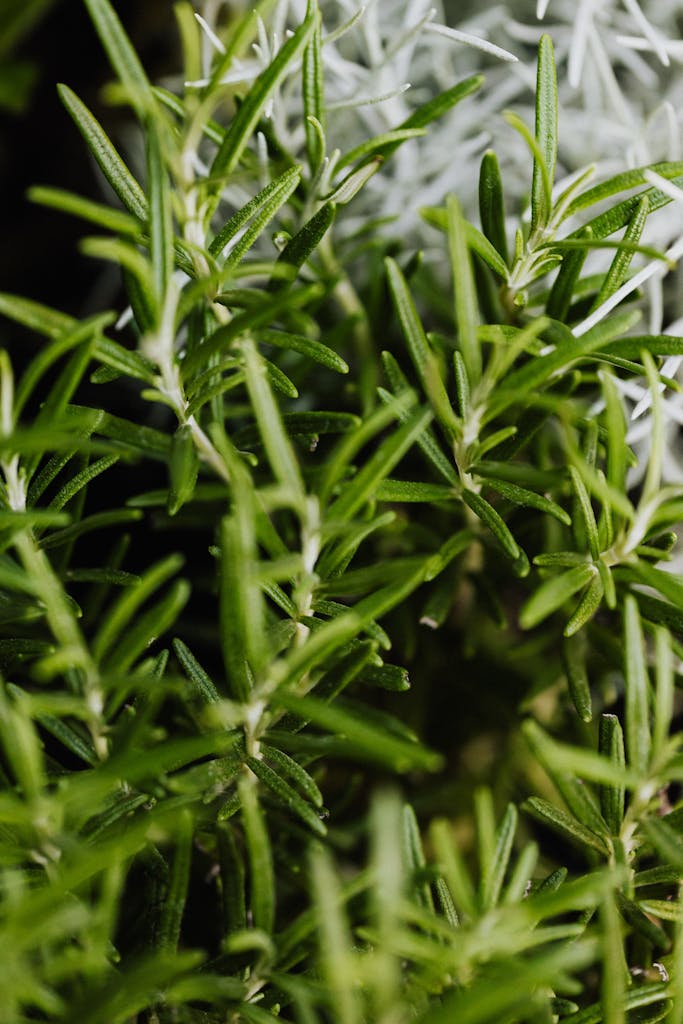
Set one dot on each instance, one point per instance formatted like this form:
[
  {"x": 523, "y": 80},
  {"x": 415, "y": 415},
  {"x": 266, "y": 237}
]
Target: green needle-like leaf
[
  {"x": 638, "y": 737},
  {"x": 546, "y": 134}
]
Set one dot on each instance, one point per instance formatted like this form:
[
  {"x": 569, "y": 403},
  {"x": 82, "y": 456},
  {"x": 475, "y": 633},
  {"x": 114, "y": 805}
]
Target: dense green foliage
[{"x": 306, "y": 471}]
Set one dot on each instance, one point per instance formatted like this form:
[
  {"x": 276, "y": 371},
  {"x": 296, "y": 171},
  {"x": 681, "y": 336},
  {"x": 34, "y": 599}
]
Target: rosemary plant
[{"x": 298, "y": 472}]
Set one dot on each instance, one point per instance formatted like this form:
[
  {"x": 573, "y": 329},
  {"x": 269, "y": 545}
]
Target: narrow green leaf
[
  {"x": 449, "y": 550},
  {"x": 546, "y": 133},
  {"x": 122, "y": 361},
  {"x": 638, "y": 738},
  {"x": 149, "y": 627},
  {"x": 367, "y": 741},
  {"x": 313, "y": 84},
  {"x": 303, "y": 244},
  {"x": 160, "y": 216},
  {"x": 574, "y": 661},
  {"x": 250, "y": 321},
  {"x": 409, "y": 490},
  {"x": 655, "y": 462},
  {"x": 336, "y": 946},
  {"x": 97, "y": 521},
  {"x": 127, "y": 605},
  {"x": 587, "y": 606},
  {"x": 106, "y": 156},
  {"x": 641, "y": 923},
  {"x": 232, "y": 875},
  {"x": 286, "y": 795},
  {"x": 614, "y": 975},
  {"x": 493, "y": 521},
  {"x": 291, "y": 768},
  {"x": 427, "y": 441},
  {"x": 618, "y": 270},
  {"x": 562, "y": 761},
  {"x": 521, "y": 875},
  {"x": 305, "y": 346},
  {"x": 466, "y": 308},
  {"x": 71, "y": 337},
  {"x": 174, "y": 904},
  {"x": 273, "y": 435},
  {"x": 243, "y": 124},
  {"x": 564, "y": 285},
  {"x": 81, "y": 480},
  {"x": 615, "y": 423},
  {"x": 260, "y": 857},
  {"x": 528, "y": 499},
  {"x": 622, "y": 182},
  {"x": 96, "y": 213},
  {"x": 283, "y": 185},
  {"x": 452, "y": 867},
  {"x": 201, "y": 681},
  {"x": 68, "y": 736},
  {"x": 236, "y": 591},
  {"x": 492, "y": 203},
  {"x": 423, "y": 358},
  {"x": 564, "y": 824},
  {"x": 122, "y": 56},
  {"x": 364, "y": 485},
  {"x": 664, "y": 690},
  {"x": 303, "y": 424},
  {"x": 435, "y": 108},
  {"x": 492, "y": 880},
  {"x": 377, "y": 144},
  {"x": 553, "y": 593},
  {"x": 542, "y": 369},
  {"x": 183, "y": 469},
  {"x": 587, "y": 515},
  {"x": 268, "y": 208},
  {"x": 414, "y": 860}
]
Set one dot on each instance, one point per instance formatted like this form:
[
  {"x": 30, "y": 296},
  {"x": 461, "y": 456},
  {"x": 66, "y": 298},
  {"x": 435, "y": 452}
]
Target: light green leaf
[
  {"x": 564, "y": 824},
  {"x": 313, "y": 84},
  {"x": 127, "y": 605},
  {"x": 528, "y": 499},
  {"x": 106, "y": 156},
  {"x": 261, "y": 873},
  {"x": 174, "y": 904},
  {"x": 364, "y": 485},
  {"x": 409, "y": 490},
  {"x": 492, "y": 204},
  {"x": 423, "y": 358},
  {"x": 96, "y": 213},
  {"x": 546, "y": 134},
  {"x": 553, "y": 593},
  {"x": 306, "y": 346},
  {"x": 302, "y": 245},
  {"x": 201, "y": 681},
  {"x": 243, "y": 124},
  {"x": 122, "y": 56},
  {"x": 367, "y": 741},
  {"x": 466, "y": 307},
  {"x": 587, "y": 606},
  {"x": 493, "y": 521},
  {"x": 160, "y": 216},
  {"x": 638, "y": 737},
  {"x": 265, "y": 209},
  {"x": 273, "y": 434},
  {"x": 284, "y": 793},
  {"x": 282, "y": 185},
  {"x": 492, "y": 880}
]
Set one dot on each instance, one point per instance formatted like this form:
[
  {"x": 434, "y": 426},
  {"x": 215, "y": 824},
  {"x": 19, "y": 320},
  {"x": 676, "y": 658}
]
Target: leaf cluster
[{"x": 207, "y": 606}]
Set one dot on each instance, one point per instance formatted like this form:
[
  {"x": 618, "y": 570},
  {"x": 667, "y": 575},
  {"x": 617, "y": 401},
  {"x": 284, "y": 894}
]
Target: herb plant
[{"x": 304, "y": 471}]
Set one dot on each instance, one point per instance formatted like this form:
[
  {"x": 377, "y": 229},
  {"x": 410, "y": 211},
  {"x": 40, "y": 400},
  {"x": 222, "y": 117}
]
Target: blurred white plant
[
  {"x": 620, "y": 91},
  {"x": 383, "y": 60}
]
